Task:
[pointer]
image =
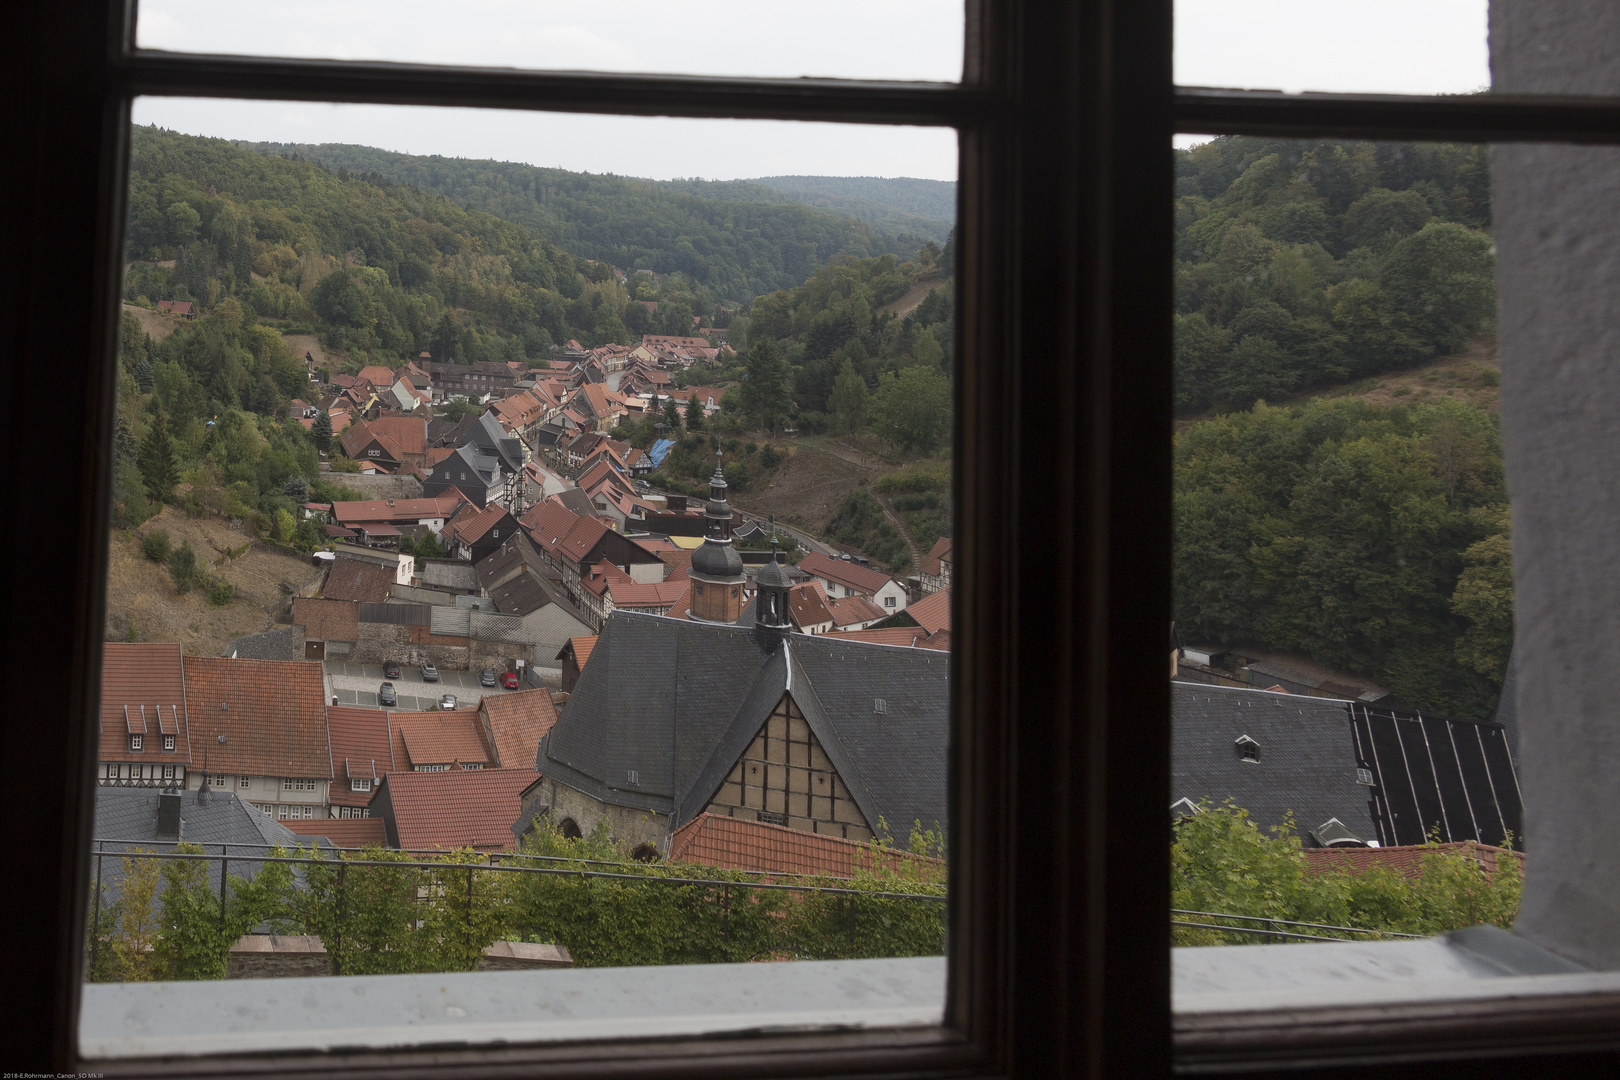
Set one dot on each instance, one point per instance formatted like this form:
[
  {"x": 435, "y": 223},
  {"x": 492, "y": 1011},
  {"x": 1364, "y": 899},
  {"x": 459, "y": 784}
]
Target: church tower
[
  {"x": 717, "y": 569},
  {"x": 772, "y": 623}
]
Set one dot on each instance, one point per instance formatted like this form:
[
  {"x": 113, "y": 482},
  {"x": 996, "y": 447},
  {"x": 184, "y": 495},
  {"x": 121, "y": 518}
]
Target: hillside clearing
[
  {"x": 807, "y": 488},
  {"x": 141, "y": 590},
  {"x": 914, "y": 296},
  {"x": 156, "y": 324}
]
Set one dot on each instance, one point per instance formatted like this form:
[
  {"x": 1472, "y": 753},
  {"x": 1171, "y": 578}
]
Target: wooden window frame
[{"x": 1059, "y": 763}]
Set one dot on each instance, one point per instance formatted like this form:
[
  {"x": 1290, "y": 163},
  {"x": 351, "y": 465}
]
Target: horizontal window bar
[
  {"x": 1482, "y": 117},
  {"x": 187, "y": 75}
]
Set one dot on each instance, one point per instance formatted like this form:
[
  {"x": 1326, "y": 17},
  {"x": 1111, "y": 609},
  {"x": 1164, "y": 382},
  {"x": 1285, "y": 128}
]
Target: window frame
[{"x": 1059, "y": 931}]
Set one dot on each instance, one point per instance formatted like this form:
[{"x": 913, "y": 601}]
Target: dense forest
[
  {"x": 733, "y": 248},
  {"x": 1374, "y": 539},
  {"x": 929, "y": 199},
  {"x": 1304, "y": 263}
]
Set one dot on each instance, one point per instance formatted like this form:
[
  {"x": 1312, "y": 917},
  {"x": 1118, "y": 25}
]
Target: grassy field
[{"x": 140, "y": 591}]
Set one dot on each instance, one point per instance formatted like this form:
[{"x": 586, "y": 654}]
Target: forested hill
[
  {"x": 1304, "y": 263},
  {"x": 734, "y": 249},
  {"x": 878, "y": 202}
]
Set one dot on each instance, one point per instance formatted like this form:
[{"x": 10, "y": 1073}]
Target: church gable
[{"x": 784, "y": 777}]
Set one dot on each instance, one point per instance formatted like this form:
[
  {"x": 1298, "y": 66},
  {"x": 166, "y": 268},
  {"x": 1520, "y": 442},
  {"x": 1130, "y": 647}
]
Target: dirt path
[{"x": 905, "y": 533}]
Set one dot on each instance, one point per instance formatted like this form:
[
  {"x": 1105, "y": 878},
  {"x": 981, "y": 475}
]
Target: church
[{"x": 721, "y": 708}]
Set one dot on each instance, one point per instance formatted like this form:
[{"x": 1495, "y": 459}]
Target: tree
[
  {"x": 428, "y": 547},
  {"x": 322, "y": 432},
  {"x": 183, "y": 568},
  {"x": 694, "y": 413},
  {"x": 296, "y": 488},
  {"x": 850, "y": 399},
  {"x": 765, "y": 383},
  {"x": 155, "y": 545},
  {"x": 159, "y": 471},
  {"x": 145, "y": 375},
  {"x": 672, "y": 418},
  {"x": 1484, "y": 597},
  {"x": 1443, "y": 279},
  {"x": 912, "y": 410}
]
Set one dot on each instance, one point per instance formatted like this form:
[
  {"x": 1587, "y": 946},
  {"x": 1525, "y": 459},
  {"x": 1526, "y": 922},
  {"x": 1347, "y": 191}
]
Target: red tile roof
[
  {"x": 582, "y": 649},
  {"x": 456, "y": 809},
  {"x": 326, "y": 620},
  {"x": 358, "y": 579},
  {"x": 634, "y": 594},
  {"x": 399, "y": 510},
  {"x": 376, "y": 375},
  {"x": 851, "y": 574},
  {"x": 439, "y": 738},
  {"x": 344, "y": 832},
  {"x": 469, "y": 528},
  {"x": 360, "y": 744},
  {"x": 735, "y": 844},
  {"x": 143, "y": 690},
  {"x": 906, "y": 636},
  {"x": 930, "y": 563},
  {"x": 932, "y": 612},
  {"x": 272, "y": 714},
  {"x": 1406, "y": 860},
  {"x": 515, "y": 722},
  {"x": 807, "y": 605},
  {"x": 849, "y": 610}
]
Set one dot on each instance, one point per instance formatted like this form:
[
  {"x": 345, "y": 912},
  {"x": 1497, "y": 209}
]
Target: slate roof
[
  {"x": 327, "y": 620},
  {"x": 735, "y": 844},
  {"x": 853, "y": 575},
  {"x": 127, "y": 818},
  {"x": 143, "y": 690},
  {"x": 492, "y": 442},
  {"x": 932, "y": 612},
  {"x": 361, "y": 743},
  {"x": 358, "y": 579},
  {"x": 282, "y": 643},
  {"x": 678, "y": 702},
  {"x": 1307, "y": 759},
  {"x": 454, "y": 809},
  {"x": 517, "y": 720},
  {"x": 273, "y": 716},
  {"x": 521, "y": 595}
]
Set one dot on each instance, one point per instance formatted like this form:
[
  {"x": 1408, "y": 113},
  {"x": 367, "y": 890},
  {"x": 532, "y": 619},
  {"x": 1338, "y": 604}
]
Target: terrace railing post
[
  {"x": 95, "y": 918},
  {"x": 343, "y": 893},
  {"x": 224, "y": 864}
]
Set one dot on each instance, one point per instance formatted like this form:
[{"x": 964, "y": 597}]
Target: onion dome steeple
[{"x": 717, "y": 569}]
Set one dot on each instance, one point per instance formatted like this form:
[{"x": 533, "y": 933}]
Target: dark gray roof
[
  {"x": 1307, "y": 756},
  {"x": 1507, "y": 707},
  {"x": 126, "y": 819},
  {"x": 717, "y": 560},
  {"x": 492, "y": 441},
  {"x": 576, "y": 501},
  {"x": 287, "y": 643},
  {"x": 678, "y": 702}
]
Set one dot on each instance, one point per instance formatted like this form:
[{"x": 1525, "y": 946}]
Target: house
[
  {"x": 573, "y": 657},
  {"x": 400, "y": 513},
  {"x": 360, "y": 580},
  {"x": 389, "y": 442},
  {"x": 362, "y": 754},
  {"x": 933, "y": 612},
  {"x": 473, "y": 534},
  {"x": 854, "y": 612},
  {"x": 656, "y": 598},
  {"x": 476, "y": 380},
  {"x": 144, "y": 737},
  {"x": 476, "y": 476},
  {"x": 807, "y": 607},
  {"x": 375, "y": 376},
  {"x": 733, "y": 843},
  {"x": 260, "y": 728},
  {"x": 841, "y": 578},
  {"x": 282, "y": 643},
  {"x": 935, "y": 572},
  {"x": 514, "y": 722},
  {"x": 330, "y": 626},
  {"x": 489, "y": 439},
  {"x": 572, "y": 544},
  {"x": 438, "y": 741},
  {"x": 1332, "y": 766},
  {"x": 674, "y": 718},
  {"x": 181, "y": 308},
  {"x": 448, "y": 810}
]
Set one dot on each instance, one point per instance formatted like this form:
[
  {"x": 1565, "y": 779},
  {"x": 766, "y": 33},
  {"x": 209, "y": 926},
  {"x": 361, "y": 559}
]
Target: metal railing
[
  {"x": 1267, "y": 927},
  {"x": 258, "y": 855}
]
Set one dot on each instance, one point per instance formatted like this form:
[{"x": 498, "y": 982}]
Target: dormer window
[
  {"x": 1247, "y": 749},
  {"x": 168, "y": 743},
  {"x": 135, "y": 743}
]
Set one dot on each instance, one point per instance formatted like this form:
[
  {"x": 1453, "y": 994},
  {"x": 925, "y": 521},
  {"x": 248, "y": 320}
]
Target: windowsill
[
  {"x": 1382, "y": 999},
  {"x": 385, "y": 1012}
]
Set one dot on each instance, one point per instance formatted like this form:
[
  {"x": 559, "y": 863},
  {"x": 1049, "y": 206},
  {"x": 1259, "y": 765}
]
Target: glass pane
[
  {"x": 557, "y": 562},
  {"x": 897, "y": 39},
  {"x": 1344, "y": 46}
]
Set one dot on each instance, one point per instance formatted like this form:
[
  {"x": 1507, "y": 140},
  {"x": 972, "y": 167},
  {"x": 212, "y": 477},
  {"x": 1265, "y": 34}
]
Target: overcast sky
[{"x": 1408, "y": 46}]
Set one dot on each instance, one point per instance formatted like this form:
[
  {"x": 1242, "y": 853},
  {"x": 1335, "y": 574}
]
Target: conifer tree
[
  {"x": 145, "y": 375},
  {"x": 672, "y": 417},
  {"x": 322, "y": 432},
  {"x": 694, "y": 413},
  {"x": 123, "y": 440},
  {"x": 159, "y": 471}
]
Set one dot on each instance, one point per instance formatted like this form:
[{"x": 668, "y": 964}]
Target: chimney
[{"x": 168, "y": 823}]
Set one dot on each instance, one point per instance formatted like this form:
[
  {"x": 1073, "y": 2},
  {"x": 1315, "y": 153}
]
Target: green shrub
[
  {"x": 221, "y": 592},
  {"x": 155, "y": 545},
  {"x": 183, "y": 568}
]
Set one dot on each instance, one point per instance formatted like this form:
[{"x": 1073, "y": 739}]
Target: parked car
[
  {"x": 386, "y": 695},
  {"x": 430, "y": 673},
  {"x": 391, "y": 670},
  {"x": 487, "y": 678},
  {"x": 509, "y": 680},
  {"x": 448, "y": 701}
]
